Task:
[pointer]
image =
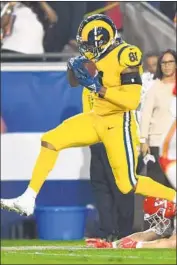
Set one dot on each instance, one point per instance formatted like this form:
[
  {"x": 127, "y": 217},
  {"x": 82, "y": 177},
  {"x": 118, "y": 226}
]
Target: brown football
[{"x": 91, "y": 67}]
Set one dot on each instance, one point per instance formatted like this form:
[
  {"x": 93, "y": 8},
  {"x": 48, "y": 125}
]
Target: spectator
[
  {"x": 116, "y": 210},
  {"x": 25, "y": 26},
  {"x": 155, "y": 112},
  {"x": 150, "y": 62},
  {"x": 116, "y": 15},
  {"x": 150, "y": 66},
  {"x": 64, "y": 32}
]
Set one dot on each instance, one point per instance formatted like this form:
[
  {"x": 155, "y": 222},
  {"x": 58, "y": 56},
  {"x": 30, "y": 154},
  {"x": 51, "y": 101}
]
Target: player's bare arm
[
  {"x": 6, "y": 14},
  {"x": 49, "y": 11},
  {"x": 147, "y": 235},
  {"x": 160, "y": 243}
]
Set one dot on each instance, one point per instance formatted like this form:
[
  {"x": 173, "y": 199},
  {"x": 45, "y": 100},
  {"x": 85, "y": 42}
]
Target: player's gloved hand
[
  {"x": 98, "y": 243},
  {"x": 76, "y": 64},
  {"x": 127, "y": 243},
  {"x": 83, "y": 76},
  {"x": 92, "y": 83}
]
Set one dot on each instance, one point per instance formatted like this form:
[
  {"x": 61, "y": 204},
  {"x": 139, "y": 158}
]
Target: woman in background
[
  {"x": 155, "y": 113},
  {"x": 24, "y": 25}
]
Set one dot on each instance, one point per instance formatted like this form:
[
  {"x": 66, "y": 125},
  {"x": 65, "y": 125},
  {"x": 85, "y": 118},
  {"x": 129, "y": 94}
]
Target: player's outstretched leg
[
  {"x": 148, "y": 187},
  {"x": 123, "y": 156},
  {"x": 74, "y": 132}
]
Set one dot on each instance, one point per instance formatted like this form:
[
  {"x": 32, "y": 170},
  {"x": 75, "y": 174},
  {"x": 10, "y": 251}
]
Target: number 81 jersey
[
  {"x": 130, "y": 56},
  {"x": 110, "y": 67}
]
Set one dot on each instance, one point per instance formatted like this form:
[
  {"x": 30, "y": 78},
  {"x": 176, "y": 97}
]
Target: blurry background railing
[
  {"x": 147, "y": 27},
  {"x": 46, "y": 57}
]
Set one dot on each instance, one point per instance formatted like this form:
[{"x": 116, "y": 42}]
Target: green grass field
[{"x": 75, "y": 252}]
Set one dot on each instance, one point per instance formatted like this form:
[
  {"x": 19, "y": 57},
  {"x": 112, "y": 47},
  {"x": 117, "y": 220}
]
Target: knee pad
[{"x": 48, "y": 138}]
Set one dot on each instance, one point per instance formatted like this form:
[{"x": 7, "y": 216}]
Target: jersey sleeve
[{"x": 131, "y": 56}]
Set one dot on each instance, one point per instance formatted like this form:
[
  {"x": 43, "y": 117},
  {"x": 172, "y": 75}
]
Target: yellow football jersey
[{"x": 110, "y": 68}]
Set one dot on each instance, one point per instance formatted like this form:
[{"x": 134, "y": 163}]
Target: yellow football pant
[
  {"x": 118, "y": 132},
  {"x": 119, "y": 135}
]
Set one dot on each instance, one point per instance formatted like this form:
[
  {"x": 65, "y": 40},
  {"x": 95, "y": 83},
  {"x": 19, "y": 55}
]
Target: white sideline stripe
[
  {"x": 41, "y": 68},
  {"x": 88, "y": 255},
  {"x": 21, "y": 248}
]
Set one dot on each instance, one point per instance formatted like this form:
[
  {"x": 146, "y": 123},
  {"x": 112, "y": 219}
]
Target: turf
[{"x": 75, "y": 252}]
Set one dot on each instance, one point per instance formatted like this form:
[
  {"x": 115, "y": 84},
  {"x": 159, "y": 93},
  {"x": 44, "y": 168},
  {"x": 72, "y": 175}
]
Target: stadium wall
[{"x": 35, "y": 99}]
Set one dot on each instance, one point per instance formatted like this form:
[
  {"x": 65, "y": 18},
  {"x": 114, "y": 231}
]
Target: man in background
[
  {"x": 70, "y": 14},
  {"x": 150, "y": 67}
]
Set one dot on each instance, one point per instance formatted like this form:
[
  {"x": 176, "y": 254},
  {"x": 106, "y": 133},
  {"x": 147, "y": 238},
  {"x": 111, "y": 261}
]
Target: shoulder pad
[{"x": 130, "y": 56}]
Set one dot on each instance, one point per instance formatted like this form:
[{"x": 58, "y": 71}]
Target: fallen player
[{"x": 161, "y": 214}]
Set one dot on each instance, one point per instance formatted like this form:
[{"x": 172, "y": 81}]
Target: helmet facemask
[
  {"x": 158, "y": 222},
  {"x": 88, "y": 50},
  {"x": 94, "y": 50}
]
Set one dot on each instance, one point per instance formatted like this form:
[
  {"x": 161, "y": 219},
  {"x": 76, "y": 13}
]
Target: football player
[
  {"x": 117, "y": 87},
  {"x": 161, "y": 214}
]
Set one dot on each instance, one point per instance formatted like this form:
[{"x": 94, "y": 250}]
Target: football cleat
[
  {"x": 98, "y": 243},
  {"x": 21, "y": 205}
]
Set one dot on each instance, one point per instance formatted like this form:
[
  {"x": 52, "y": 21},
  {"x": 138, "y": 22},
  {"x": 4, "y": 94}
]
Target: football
[{"x": 91, "y": 67}]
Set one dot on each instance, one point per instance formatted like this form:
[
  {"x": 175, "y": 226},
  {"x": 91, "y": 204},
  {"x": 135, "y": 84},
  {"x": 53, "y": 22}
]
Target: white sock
[
  {"x": 139, "y": 245},
  {"x": 29, "y": 192}
]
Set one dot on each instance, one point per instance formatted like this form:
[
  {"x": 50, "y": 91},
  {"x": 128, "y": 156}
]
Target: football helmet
[
  {"x": 95, "y": 35},
  {"x": 159, "y": 213}
]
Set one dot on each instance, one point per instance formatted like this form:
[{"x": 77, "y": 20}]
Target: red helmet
[{"x": 159, "y": 212}]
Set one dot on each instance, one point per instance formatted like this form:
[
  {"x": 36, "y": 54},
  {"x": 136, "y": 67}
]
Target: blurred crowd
[
  {"x": 38, "y": 27},
  {"x": 51, "y": 26}
]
